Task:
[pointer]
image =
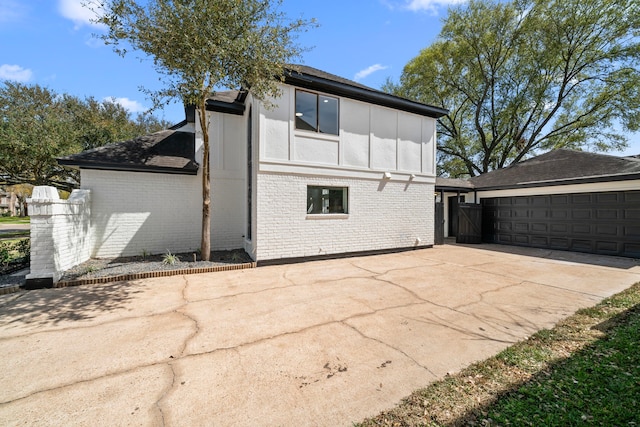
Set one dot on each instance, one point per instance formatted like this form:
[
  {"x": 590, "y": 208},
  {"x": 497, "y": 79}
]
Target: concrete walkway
[{"x": 321, "y": 343}]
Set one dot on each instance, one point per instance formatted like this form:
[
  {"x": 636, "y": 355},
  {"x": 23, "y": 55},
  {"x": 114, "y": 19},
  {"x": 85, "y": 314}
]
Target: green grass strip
[{"x": 14, "y": 220}]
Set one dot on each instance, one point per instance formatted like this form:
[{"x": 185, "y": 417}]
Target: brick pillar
[{"x": 60, "y": 234}]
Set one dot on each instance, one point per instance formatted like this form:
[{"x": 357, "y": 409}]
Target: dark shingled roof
[
  {"x": 312, "y": 78},
  {"x": 453, "y": 184},
  {"x": 232, "y": 102},
  {"x": 560, "y": 167},
  {"x": 166, "y": 151}
]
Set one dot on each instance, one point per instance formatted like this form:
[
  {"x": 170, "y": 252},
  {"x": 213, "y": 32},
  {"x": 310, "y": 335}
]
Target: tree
[
  {"x": 527, "y": 76},
  {"x": 37, "y": 125},
  {"x": 199, "y": 46},
  {"x": 34, "y": 129}
]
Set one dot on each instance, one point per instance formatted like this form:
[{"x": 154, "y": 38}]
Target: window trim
[{"x": 316, "y": 130}]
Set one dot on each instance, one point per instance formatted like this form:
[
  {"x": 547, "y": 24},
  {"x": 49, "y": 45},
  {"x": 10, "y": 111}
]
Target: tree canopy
[
  {"x": 37, "y": 125},
  {"x": 200, "y": 46},
  {"x": 527, "y": 76}
]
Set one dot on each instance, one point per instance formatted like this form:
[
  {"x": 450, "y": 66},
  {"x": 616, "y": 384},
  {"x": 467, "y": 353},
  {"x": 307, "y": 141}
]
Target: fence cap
[{"x": 44, "y": 192}]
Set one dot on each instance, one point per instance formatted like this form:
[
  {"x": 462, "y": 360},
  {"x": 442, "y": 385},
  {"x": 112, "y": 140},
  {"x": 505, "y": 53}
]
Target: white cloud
[
  {"x": 128, "y": 104},
  {"x": 368, "y": 71},
  {"x": 431, "y": 5},
  {"x": 12, "y": 11},
  {"x": 15, "y": 73},
  {"x": 79, "y": 14}
]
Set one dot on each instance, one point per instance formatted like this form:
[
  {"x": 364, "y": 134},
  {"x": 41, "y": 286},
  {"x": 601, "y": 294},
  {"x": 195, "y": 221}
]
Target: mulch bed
[{"x": 104, "y": 270}]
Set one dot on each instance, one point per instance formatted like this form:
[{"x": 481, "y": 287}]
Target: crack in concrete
[
  {"x": 196, "y": 329},
  {"x": 182, "y": 310},
  {"x": 163, "y": 393},
  {"x": 365, "y": 336},
  {"x": 88, "y": 380}
]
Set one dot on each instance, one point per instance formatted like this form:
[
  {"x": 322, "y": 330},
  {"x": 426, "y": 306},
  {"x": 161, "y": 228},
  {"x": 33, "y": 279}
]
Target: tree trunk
[{"x": 205, "y": 243}]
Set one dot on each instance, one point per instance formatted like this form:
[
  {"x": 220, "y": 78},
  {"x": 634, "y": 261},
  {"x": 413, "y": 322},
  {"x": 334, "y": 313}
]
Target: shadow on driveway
[{"x": 49, "y": 307}]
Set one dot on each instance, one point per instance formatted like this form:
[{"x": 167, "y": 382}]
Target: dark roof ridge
[{"x": 315, "y": 79}]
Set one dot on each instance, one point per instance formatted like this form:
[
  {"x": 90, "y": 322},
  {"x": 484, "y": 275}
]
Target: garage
[
  {"x": 605, "y": 223},
  {"x": 564, "y": 199}
]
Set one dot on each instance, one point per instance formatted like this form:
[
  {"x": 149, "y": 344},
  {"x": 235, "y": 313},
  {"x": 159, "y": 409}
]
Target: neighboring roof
[
  {"x": 232, "y": 102},
  {"x": 453, "y": 184},
  {"x": 312, "y": 78},
  {"x": 559, "y": 167},
  {"x": 166, "y": 151}
]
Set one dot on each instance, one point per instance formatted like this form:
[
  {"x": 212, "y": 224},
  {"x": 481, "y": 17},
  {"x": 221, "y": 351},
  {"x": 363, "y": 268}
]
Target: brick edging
[
  {"x": 4, "y": 290},
  {"x": 151, "y": 274}
]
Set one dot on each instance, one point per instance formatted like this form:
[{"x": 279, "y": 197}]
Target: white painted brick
[{"x": 393, "y": 215}]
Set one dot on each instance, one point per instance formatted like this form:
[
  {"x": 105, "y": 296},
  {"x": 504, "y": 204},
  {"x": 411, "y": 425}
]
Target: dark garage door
[{"x": 601, "y": 223}]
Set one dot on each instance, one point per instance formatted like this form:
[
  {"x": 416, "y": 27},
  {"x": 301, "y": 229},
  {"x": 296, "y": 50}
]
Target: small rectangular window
[
  {"x": 327, "y": 200},
  {"x": 317, "y": 113}
]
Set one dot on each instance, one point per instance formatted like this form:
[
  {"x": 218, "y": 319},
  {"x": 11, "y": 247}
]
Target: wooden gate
[
  {"x": 469, "y": 223},
  {"x": 439, "y": 224}
]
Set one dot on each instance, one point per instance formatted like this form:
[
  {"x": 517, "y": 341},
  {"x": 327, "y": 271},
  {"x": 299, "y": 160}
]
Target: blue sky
[{"x": 50, "y": 42}]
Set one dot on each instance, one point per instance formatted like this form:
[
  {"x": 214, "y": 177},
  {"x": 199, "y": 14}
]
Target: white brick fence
[{"x": 60, "y": 234}]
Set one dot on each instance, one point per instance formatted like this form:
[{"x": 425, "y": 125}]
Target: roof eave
[
  {"x": 584, "y": 180},
  {"x": 128, "y": 168},
  {"x": 236, "y": 107},
  {"x": 379, "y": 98}
]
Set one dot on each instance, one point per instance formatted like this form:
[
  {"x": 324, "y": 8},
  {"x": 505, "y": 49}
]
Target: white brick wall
[
  {"x": 382, "y": 215},
  {"x": 60, "y": 233},
  {"x": 153, "y": 212}
]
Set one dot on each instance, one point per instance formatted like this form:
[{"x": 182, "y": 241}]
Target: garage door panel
[
  {"x": 520, "y": 213},
  {"x": 561, "y": 199},
  {"x": 606, "y": 198},
  {"x": 538, "y": 213},
  {"x": 521, "y": 227},
  {"x": 559, "y": 228},
  {"x": 559, "y": 243},
  {"x": 632, "y": 232},
  {"x": 582, "y": 245},
  {"x": 521, "y": 201},
  {"x": 505, "y": 226},
  {"x": 580, "y": 198},
  {"x": 607, "y": 213},
  {"x": 606, "y": 230},
  {"x": 538, "y": 201},
  {"x": 539, "y": 241},
  {"x": 560, "y": 214},
  {"x": 632, "y": 197},
  {"x": 505, "y": 238},
  {"x": 539, "y": 228},
  {"x": 580, "y": 228},
  {"x": 605, "y": 223},
  {"x": 581, "y": 214},
  {"x": 521, "y": 239},
  {"x": 631, "y": 249},
  {"x": 632, "y": 213},
  {"x": 607, "y": 247}
]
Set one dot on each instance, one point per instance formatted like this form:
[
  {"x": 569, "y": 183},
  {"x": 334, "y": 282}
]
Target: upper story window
[{"x": 317, "y": 113}]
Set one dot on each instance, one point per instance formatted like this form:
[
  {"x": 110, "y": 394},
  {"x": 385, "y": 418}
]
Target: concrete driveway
[{"x": 320, "y": 343}]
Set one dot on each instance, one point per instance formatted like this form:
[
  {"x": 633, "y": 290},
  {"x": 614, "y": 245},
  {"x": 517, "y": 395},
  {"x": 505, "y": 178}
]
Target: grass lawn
[
  {"x": 584, "y": 371},
  {"x": 14, "y": 220}
]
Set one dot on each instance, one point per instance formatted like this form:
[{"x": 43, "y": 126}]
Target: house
[
  {"x": 564, "y": 199},
  {"x": 334, "y": 168},
  {"x": 8, "y": 202}
]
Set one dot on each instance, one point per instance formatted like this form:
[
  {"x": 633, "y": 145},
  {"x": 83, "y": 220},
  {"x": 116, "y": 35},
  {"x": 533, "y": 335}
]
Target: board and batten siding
[{"x": 372, "y": 138}]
